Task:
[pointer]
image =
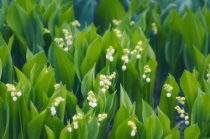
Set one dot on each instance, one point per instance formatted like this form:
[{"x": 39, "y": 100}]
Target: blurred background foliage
[{"x": 181, "y": 42}]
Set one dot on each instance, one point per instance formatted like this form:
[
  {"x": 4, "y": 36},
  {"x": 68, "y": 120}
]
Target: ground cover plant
[{"x": 104, "y": 69}]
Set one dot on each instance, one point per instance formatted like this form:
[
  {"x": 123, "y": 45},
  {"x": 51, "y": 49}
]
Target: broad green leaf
[
  {"x": 153, "y": 128},
  {"x": 200, "y": 113},
  {"x": 25, "y": 116},
  {"x": 124, "y": 99},
  {"x": 71, "y": 103},
  {"x": 33, "y": 110},
  {"x": 65, "y": 133},
  {"x": 21, "y": 77},
  {"x": 64, "y": 68},
  {"x": 6, "y": 65},
  {"x": 167, "y": 104},
  {"x": 87, "y": 82},
  {"x": 1, "y": 68},
  {"x": 114, "y": 10},
  {"x": 2, "y": 42},
  {"x": 55, "y": 125},
  {"x": 2, "y": 118},
  {"x": 40, "y": 60},
  {"x": 93, "y": 128},
  {"x": 29, "y": 55},
  {"x": 190, "y": 87},
  {"x": 42, "y": 86},
  {"x": 67, "y": 16},
  {"x": 62, "y": 92},
  {"x": 147, "y": 111},
  {"x": 36, "y": 125},
  {"x": 165, "y": 122},
  {"x": 27, "y": 5},
  {"x": 50, "y": 133},
  {"x": 192, "y": 37},
  {"x": 24, "y": 31},
  {"x": 91, "y": 57},
  {"x": 192, "y": 130},
  {"x": 124, "y": 130},
  {"x": 174, "y": 133},
  {"x": 199, "y": 61},
  {"x": 121, "y": 115}
]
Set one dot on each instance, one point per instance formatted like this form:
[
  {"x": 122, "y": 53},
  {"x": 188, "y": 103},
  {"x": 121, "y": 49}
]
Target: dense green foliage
[{"x": 129, "y": 69}]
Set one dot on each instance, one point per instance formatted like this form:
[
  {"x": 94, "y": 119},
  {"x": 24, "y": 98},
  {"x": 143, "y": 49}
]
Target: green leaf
[
  {"x": 199, "y": 61},
  {"x": 50, "y": 133},
  {"x": 33, "y": 110},
  {"x": 1, "y": 68},
  {"x": 147, "y": 111},
  {"x": 65, "y": 133},
  {"x": 2, "y": 118},
  {"x": 193, "y": 36},
  {"x": 114, "y": 10},
  {"x": 201, "y": 114},
  {"x": 92, "y": 56},
  {"x": 67, "y": 16},
  {"x": 61, "y": 92},
  {"x": 192, "y": 130},
  {"x": 153, "y": 128},
  {"x": 124, "y": 130},
  {"x": 190, "y": 87},
  {"x": 124, "y": 99},
  {"x": 87, "y": 82},
  {"x": 40, "y": 60},
  {"x": 21, "y": 77},
  {"x": 42, "y": 86},
  {"x": 165, "y": 122},
  {"x": 7, "y": 73},
  {"x": 29, "y": 55},
  {"x": 64, "y": 68},
  {"x": 24, "y": 31},
  {"x": 167, "y": 104},
  {"x": 174, "y": 133},
  {"x": 93, "y": 128},
  {"x": 121, "y": 115},
  {"x": 36, "y": 125},
  {"x": 55, "y": 125}
]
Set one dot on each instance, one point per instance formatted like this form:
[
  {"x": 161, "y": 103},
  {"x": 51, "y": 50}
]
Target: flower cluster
[
  {"x": 125, "y": 58},
  {"x": 132, "y": 23},
  {"x": 75, "y": 120},
  {"x": 181, "y": 111},
  {"x": 46, "y": 31},
  {"x": 181, "y": 100},
  {"x": 56, "y": 86},
  {"x": 169, "y": 89},
  {"x": 138, "y": 49},
  {"x": 133, "y": 126},
  {"x": 57, "y": 101},
  {"x": 101, "y": 117},
  {"x": 146, "y": 74},
  {"x": 75, "y": 23},
  {"x": 69, "y": 129},
  {"x": 68, "y": 37},
  {"x": 109, "y": 52},
  {"x": 105, "y": 81},
  {"x": 60, "y": 42},
  {"x": 154, "y": 28},
  {"x": 116, "y": 22},
  {"x": 14, "y": 93},
  {"x": 208, "y": 72},
  {"x": 92, "y": 99},
  {"x": 118, "y": 33}
]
